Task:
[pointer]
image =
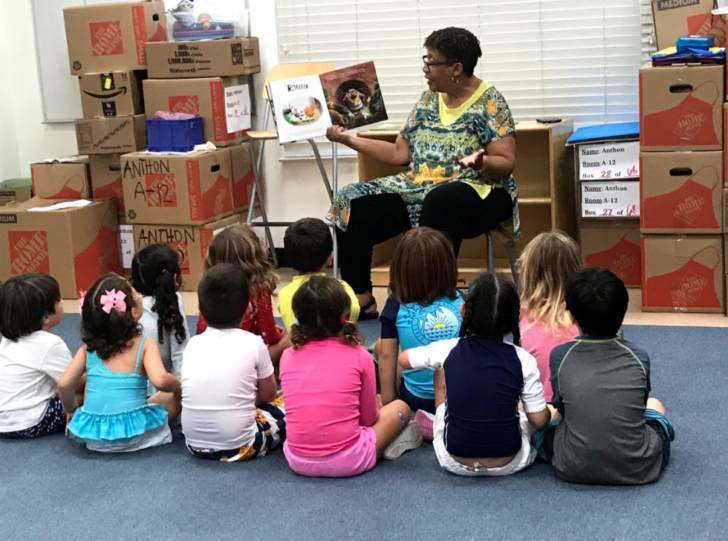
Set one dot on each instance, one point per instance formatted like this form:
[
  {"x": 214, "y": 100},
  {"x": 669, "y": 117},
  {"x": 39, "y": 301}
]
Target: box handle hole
[
  {"x": 155, "y": 17},
  {"x": 681, "y": 89},
  {"x": 215, "y": 168},
  {"x": 681, "y": 172}
]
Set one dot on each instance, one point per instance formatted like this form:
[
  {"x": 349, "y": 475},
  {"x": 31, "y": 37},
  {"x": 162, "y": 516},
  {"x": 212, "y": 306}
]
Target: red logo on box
[
  {"x": 161, "y": 190},
  {"x": 623, "y": 259},
  {"x": 140, "y": 34},
  {"x": 706, "y": 24},
  {"x": 194, "y": 190},
  {"x": 28, "y": 252},
  {"x": 183, "y": 254},
  {"x": 184, "y": 104},
  {"x": 99, "y": 258},
  {"x": 114, "y": 190},
  {"x": 106, "y": 39}
]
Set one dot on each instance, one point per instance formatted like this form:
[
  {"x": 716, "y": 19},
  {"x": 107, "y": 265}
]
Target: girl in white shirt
[{"x": 31, "y": 359}]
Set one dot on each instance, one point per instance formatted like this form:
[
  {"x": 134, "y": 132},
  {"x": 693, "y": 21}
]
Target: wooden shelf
[
  {"x": 534, "y": 200},
  {"x": 468, "y": 270}
]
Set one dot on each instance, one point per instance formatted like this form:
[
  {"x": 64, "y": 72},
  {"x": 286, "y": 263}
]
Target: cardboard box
[
  {"x": 188, "y": 189},
  {"x": 106, "y": 178},
  {"x": 681, "y": 108},
  {"x": 118, "y": 93},
  {"x": 74, "y": 245},
  {"x": 67, "y": 178},
  {"x": 117, "y": 135},
  {"x": 241, "y": 170},
  {"x": 681, "y": 192},
  {"x": 202, "y": 97},
  {"x": 112, "y": 37},
  {"x": 212, "y": 58},
  {"x": 683, "y": 273},
  {"x": 15, "y": 189},
  {"x": 190, "y": 242},
  {"x": 725, "y": 210},
  {"x": 677, "y": 18},
  {"x": 613, "y": 245}
]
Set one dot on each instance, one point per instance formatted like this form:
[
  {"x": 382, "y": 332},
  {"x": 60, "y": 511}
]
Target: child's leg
[
  {"x": 654, "y": 404},
  {"x": 393, "y": 418},
  {"x": 171, "y": 402},
  {"x": 271, "y": 419}
]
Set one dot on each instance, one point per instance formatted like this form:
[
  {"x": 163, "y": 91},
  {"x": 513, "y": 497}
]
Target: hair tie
[
  {"x": 343, "y": 320},
  {"x": 82, "y": 293},
  {"x": 113, "y": 300}
]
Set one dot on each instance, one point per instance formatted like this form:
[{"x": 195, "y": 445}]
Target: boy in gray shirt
[{"x": 610, "y": 432}]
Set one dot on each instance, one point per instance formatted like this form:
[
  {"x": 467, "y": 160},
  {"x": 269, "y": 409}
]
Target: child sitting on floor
[
  {"x": 423, "y": 307},
  {"x": 239, "y": 245},
  {"x": 156, "y": 275},
  {"x": 31, "y": 359},
  {"x": 610, "y": 432},
  {"x": 545, "y": 265},
  {"x": 309, "y": 250},
  {"x": 336, "y": 427},
  {"x": 119, "y": 362},
  {"x": 478, "y": 429},
  {"x": 230, "y": 407}
]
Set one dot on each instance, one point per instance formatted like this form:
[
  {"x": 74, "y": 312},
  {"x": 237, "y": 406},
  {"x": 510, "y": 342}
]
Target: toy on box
[{"x": 192, "y": 20}]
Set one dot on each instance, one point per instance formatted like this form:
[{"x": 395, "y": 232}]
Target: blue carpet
[{"x": 54, "y": 489}]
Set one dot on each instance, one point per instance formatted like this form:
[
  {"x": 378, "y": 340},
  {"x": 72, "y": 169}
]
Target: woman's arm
[
  {"x": 396, "y": 153},
  {"x": 496, "y": 161},
  {"x": 69, "y": 380},
  {"x": 388, "y": 369}
]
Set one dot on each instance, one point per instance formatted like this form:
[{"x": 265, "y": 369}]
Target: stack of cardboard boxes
[
  {"x": 681, "y": 190},
  {"x": 184, "y": 199}
]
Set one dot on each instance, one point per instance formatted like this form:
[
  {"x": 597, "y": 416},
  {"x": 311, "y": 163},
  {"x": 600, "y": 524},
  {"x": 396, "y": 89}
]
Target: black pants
[{"x": 454, "y": 208}]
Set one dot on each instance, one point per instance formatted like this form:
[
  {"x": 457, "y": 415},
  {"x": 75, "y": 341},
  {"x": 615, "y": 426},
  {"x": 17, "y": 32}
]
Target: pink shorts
[{"x": 359, "y": 458}]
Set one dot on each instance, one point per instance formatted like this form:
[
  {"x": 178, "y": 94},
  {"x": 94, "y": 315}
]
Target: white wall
[{"x": 294, "y": 188}]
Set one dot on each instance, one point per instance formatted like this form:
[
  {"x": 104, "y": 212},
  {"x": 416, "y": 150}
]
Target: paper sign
[
  {"x": 237, "y": 108},
  {"x": 609, "y": 160},
  {"x": 610, "y": 199},
  {"x": 80, "y": 203},
  {"x": 126, "y": 245}
]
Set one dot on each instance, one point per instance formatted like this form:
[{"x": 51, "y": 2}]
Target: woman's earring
[{"x": 455, "y": 80}]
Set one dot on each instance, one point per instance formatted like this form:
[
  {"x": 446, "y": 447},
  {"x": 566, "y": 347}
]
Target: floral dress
[{"x": 431, "y": 145}]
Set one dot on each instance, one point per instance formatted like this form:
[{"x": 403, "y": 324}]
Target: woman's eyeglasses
[{"x": 429, "y": 64}]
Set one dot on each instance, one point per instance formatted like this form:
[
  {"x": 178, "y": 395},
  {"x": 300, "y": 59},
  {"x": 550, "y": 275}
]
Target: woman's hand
[
  {"x": 474, "y": 161},
  {"x": 337, "y": 134}
]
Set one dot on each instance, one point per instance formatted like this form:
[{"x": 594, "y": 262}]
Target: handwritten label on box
[
  {"x": 126, "y": 245},
  {"x": 609, "y": 160},
  {"x": 237, "y": 108},
  {"x": 616, "y": 199}
]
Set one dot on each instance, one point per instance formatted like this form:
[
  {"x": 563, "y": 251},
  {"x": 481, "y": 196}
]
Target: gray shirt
[{"x": 600, "y": 388}]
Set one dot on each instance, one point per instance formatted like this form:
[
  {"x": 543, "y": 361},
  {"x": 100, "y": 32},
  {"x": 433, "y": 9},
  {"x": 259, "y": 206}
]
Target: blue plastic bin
[{"x": 174, "y": 135}]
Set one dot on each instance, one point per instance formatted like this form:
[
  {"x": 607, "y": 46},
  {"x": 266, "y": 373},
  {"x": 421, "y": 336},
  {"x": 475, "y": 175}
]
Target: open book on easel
[{"x": 304, "y": 107}]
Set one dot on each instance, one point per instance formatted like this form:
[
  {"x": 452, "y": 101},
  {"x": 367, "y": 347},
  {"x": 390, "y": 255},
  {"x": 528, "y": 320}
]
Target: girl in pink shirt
[
  {"x": 545, "y": 265},
  {"x": 334, "y": 425}
]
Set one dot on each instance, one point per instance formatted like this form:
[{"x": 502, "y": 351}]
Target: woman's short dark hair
[
  {"x": 322, "y": 307},
  {"x": 308, "y": 244},
  {"x": 492, "y": 308},
  {"x": 456, "y": 45},
  {"x": 423, "y": 268},
  {"x": 24, "y": 301},
  {"x": 155, "y": 272},
  {"x": 112, "y": 333},
  {"x": 224, "y": 296}
]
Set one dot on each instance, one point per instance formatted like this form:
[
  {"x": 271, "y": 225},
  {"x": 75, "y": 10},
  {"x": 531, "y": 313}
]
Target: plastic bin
[{"x": 174, "y": 135}]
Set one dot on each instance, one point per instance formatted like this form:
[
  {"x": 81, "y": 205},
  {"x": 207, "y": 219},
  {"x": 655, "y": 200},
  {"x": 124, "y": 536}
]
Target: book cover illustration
[{"x": 353, "y": 96}]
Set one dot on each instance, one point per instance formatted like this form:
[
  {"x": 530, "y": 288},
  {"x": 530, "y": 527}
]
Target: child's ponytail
[{"x": 167, "y": 307}]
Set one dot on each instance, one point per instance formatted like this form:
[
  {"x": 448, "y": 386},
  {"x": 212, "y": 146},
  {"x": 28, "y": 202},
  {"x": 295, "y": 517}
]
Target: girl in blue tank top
[{"x": 119, "y": 362}]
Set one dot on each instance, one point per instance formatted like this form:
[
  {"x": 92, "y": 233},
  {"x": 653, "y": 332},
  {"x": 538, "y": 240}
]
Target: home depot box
[
  {"x": 682, "y": 273},
  {"x": 213, "y": 58},
  {"x": 681, "y": 108},
  {"x": 73, "y": 241},
  {"x": 613, "y": 245},
  {"x": 117, "y": 93},
  {"x": 241, "y": 171},
  {"x": 111, "y": 37},
  {"x": 15, "y": 190},
  {"x": 105, "y": 172},
  {"x": 681, "y": 192},
  {"x": 191, "y": 188},
  {"x": 66, "y": 178},
  {"x": 676, "y": 18},
  {"x": 116, "y": 135},
  {"x": 190, "y": 242},
  {"x": 223, "y": 125},
  {"x": 725, "y": 211}
]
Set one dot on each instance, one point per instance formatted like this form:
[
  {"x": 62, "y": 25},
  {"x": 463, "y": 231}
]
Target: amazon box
[
  {"x": 66, "y": 178},
  {"x": 681, "y": 108},
  {"x": 117, "y": 93},
  {"x": 681, "y": 192},
  {"x": 189, "y": 241},
  {"x": 683, "y": 273},
  {"x": 112, "y": 37},
  {"x": 613, "y": 245},
  {"x": 117, "y": 135},
  {"x": 677, "y": 18},
  {"x": 211, "y": 58},
  {"x": 187, "y": 189},
  {"x": 106, "y": 183},
  {"x": 223, "y": 123},
  {"x": 74, "y": 241},
  {"x": 241, "y": 170}
]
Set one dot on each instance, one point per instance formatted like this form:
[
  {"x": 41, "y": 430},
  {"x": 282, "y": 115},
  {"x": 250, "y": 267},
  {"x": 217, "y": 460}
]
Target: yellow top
[
  {"x": 285, "y": 299},
  {"x": 448, "y": 116}
]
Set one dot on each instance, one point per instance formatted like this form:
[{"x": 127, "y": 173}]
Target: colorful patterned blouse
[{"x": 431, "y": 145}]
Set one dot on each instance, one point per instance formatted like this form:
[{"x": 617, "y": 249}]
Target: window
[{"x": 561, "y": 58}]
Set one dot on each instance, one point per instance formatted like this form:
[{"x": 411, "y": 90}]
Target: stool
[{"x": 511, "y": 259}]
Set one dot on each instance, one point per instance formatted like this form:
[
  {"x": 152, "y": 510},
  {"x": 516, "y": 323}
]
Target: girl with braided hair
[{"x": 480, "y": 383}]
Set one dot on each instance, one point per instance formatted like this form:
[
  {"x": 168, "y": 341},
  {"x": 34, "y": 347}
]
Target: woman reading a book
[{"x": 461, "y": 151}]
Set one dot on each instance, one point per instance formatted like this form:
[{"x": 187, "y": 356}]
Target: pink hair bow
[{"x": 113, "y": 299}]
